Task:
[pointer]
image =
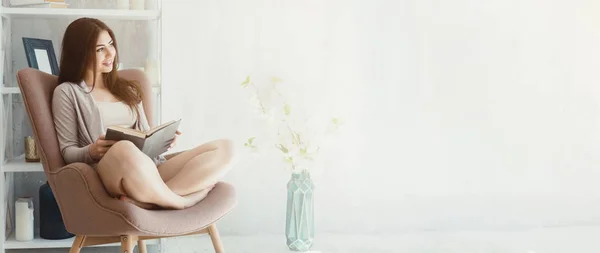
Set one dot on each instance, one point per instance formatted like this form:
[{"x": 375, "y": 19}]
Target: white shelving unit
[
  {"x": 10, "y": 90},
  {"x": 96, "y": 13},
  {"x": 16, "y": 90},
  {"x": 18, "y": 164},
  {"x": 10, "y": 165}
]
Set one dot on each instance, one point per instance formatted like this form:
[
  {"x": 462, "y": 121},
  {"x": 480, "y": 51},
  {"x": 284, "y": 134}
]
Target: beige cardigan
[{"x": 78, "y": 122}]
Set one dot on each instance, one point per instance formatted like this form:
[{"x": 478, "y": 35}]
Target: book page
[{"x": 153, "y": 130}]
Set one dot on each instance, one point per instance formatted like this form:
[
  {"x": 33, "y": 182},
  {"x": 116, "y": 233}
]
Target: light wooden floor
[{"x": 539, "y": 240}]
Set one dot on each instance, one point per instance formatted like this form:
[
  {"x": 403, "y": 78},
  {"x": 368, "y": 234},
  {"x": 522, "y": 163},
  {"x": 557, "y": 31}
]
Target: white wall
[{"x": 460, "y": 114}]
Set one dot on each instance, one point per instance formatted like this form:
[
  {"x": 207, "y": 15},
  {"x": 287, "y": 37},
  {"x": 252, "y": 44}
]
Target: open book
[{"x": 152, "y": 142}]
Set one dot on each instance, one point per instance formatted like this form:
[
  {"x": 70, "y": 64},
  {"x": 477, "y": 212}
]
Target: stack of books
[{"x": 39, "y": 3}]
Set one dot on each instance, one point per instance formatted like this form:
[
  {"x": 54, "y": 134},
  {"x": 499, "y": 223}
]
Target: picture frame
[{"x": 40, "y": 55}]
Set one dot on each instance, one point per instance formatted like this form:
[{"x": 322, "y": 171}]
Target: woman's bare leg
[
  {"x": 125, "y": 170},
  {"x": 198, "y": 168},
  {"x": 191, "y": 198}
]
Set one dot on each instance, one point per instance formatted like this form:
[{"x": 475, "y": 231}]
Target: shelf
[
  {"x": 10, "y": 90},
  {"x": 96, "y": 13},
  {"x": 13, "y": 17},
  {"x": 19, "y": 165},
  {"x": 16, "y": 90},
  {"x": 38, "y": 242}
]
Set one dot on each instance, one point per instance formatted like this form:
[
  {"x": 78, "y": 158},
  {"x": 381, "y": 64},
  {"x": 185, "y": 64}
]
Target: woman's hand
[
  {"x": 174, "y": 139},
  {"x": 100, "y": 147}
]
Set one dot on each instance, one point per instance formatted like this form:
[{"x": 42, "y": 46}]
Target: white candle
[{"x": 24, "y": 219}]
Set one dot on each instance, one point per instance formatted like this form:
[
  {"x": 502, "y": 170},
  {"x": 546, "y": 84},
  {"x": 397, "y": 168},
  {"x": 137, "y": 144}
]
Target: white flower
[{"x": 287, "y": 127}]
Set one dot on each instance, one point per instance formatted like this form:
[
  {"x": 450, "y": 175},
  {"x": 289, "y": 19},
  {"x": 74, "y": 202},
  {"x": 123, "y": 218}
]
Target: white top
[{"x": 116, "y": 113}]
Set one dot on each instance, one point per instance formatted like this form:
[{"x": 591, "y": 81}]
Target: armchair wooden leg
[
  {"x": 141, "y": 246},
  {"x": 77, "y": 244},
  {"x": 216, "y": 240},
  {"x": 127, "y": 244}
]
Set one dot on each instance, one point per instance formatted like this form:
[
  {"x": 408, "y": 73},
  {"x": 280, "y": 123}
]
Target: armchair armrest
[{"x": 85, "y": 203}]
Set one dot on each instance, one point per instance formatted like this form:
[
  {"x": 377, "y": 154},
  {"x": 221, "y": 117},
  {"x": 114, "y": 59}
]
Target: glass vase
[{"x": 299, "y": 223}]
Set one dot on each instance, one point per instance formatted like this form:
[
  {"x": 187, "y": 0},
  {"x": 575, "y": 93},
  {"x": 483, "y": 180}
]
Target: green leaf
[
  {"x": 283, "y": 149},
  {"x": 249, "y": 143},
  {"x": 296, "y": 138},
  {"x": 287, "y": 109},
  {"x": 276, "y": 79},
  {"x": 303, "y": 151},
  {"x": 335, "y": 121},
  {"x": 246, "y": 82}
]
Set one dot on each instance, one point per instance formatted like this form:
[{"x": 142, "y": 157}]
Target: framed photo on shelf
[{"x": 40, "y": 55}]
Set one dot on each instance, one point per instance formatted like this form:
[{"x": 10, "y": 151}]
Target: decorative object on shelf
[
  {"x": 123, "y": 4},
  {"x": 24, "y": 219},
  {"x": 31, "y": 154},
  {"x": 137, "y": 4},
  {"x": 299, "y": 222},
  {"x": 46, "y": 5},
  {"x": 151, "y": 4},
  {"x": 52, "y": 226},
  {"x": 40, "y": 55},
  {"x": 39, "y": 3},
  {"x": 298, "y": 137}
]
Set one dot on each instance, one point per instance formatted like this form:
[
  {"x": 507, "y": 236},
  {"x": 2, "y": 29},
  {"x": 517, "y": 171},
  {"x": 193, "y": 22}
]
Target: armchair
[{"x": 86, "y": 208}]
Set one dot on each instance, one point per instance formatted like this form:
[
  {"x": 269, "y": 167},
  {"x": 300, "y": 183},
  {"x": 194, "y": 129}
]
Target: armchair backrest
[{"x": 37, "y": 88}]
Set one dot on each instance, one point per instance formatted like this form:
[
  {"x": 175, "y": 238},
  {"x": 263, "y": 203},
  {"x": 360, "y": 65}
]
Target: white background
[{"x": 459, "y": 114}]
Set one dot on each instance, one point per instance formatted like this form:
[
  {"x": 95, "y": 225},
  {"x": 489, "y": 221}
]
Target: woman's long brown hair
[{"x": 79, "y": 53}]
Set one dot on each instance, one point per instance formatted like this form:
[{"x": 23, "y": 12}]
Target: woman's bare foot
[
  {"x": 196, "y": 197},
  {"x": 143, "y": 205}
]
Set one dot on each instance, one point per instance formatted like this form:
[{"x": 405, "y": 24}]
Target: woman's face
[{"x": 105, "y": 53}]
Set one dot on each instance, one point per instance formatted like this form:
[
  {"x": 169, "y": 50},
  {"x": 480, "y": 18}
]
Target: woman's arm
[{"x": 65, "y": 123}]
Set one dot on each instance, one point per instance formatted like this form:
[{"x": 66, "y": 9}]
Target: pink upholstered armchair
[{"x": 87, "y": 209}]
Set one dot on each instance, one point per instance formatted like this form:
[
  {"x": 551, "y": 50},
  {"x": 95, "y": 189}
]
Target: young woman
[{"x": 91, "y": 97}]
